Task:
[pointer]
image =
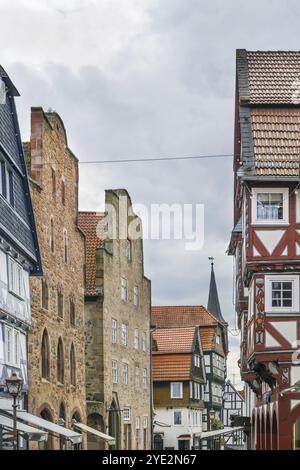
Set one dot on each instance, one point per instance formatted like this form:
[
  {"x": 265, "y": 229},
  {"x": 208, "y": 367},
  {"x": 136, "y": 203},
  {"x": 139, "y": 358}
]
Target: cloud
[{"x": 137, "y": 79}]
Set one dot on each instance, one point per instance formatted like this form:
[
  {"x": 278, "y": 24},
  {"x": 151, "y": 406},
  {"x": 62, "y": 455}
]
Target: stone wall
[{"x": 50, "y": 153}]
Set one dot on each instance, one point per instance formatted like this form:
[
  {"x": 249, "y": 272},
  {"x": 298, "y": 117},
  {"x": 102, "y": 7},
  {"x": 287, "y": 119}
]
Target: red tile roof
[
  {"x": 276, "y": 141},
  {"x": 176, "y": 316},
  {"x": 167, "y": 367},
  {"x": 174, "y": 340},
  {"x": 273, "y": 76},
  {"x": 92, "y": 225}
]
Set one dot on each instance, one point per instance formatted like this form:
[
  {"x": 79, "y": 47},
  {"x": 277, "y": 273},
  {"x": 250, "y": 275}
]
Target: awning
[
  {"x": 220, "y": 432},
  {"x": 72, "y": 436},
  {"x": 28, "y": 432},
  {"x": 111, "y": 440}
]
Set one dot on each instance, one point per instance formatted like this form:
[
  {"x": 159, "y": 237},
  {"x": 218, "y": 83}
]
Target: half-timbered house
[{"x": 265, "y": 241}]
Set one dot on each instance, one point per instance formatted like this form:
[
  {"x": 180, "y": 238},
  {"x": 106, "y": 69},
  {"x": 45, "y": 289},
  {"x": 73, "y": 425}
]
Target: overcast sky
[{"x": 138, "y": 78}]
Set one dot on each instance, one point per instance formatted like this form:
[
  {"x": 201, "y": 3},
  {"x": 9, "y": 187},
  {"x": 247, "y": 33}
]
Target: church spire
[{"x": 213, "y": 305}]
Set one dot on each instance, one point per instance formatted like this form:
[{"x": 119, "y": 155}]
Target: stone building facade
[
  {"x": 117, "y": 315},
  {"x": 56, "y": 338}
]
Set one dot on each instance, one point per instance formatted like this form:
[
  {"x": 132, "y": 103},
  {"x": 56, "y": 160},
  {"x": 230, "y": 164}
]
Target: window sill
[
  {"x": 59, "y": 384},
  {"x": 45, "y": 381}
]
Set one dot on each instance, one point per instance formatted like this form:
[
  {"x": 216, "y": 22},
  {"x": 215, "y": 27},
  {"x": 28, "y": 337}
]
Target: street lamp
[{"x": 14, "y": 387}]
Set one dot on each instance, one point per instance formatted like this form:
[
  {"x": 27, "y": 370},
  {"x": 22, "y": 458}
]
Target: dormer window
[{"x": 270, "y": 206}]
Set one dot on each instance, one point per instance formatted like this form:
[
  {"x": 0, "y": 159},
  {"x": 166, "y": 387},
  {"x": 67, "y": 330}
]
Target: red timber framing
[{"x": 265, "y": 242}]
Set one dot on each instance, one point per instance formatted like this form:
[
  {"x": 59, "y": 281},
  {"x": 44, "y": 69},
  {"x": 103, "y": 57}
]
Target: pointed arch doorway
[{"x": 114, "y": 424}]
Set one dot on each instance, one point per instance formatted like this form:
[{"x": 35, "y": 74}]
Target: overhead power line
[{"x": 155, "y": 159}]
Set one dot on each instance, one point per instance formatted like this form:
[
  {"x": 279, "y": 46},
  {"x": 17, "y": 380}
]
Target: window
[
  {"x": 45, "y": 294},
  {"x": 136, "y": 296},
  {"x": 197, "y": 360},
  {"x": 72, "y": 312},
  {"x": 60, "y": 362},
  {"x": 191, "y": 390},
  {"x": 124, "y": 334},
  {"x": 125, "y": 373},
  {"x": 63, "y": 192},
  {"x": 126, "y": 413},
  {"x": 15, "y": 277},
  {"x": 137, "y": 377},
  {"x": 60, "y": 302},
  {"x": 177, "y": 417},
  {"x": 145, "y": 378},
  {"x": 10, "y": 185},
  {"x": 52, "y": 245},
  {"x": 270, "y": 205},
  {"x": 145, "y": 433},
  {"x": 129, "y": 250},
  {"x": 114, "y": 330},
  {"x": 65, "y": 235},
  {"x": 136, "y": 339},
  {"x": 144, "y": 342},
  {"x": 72, "y": 366},
  {"x": 218, "y": 339},
  {"x": 114, "y": 367},
  {"x": 123, "y": 289},
  {"x": 45, "y": 353},
  {"x": 197, "y": 391},
  {"x": 282, "y": 293},
  {"x": 176, "y": 390},
  {"x": 137, "y": 431},
  {"x": 3, "y": 180},
  {"x": 53, "y": 176},
  {"x": 12, "y": 346}
]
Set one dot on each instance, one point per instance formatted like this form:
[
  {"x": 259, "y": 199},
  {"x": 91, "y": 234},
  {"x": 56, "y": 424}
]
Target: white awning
[
  {"x": 111, "y": 440},
  {"x": 30, "y": 433},
  {"x": 220, "y": 432},
  {"x": 72, "y": 436}
]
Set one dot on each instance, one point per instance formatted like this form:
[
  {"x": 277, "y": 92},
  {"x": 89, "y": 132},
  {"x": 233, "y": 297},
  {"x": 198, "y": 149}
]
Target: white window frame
[
  {"x": 123, "y": 289},
  {"x": 114, "y": 330},
  {"x": 285, "y": 206},
  {"x": 114, "y": 368},
  {"x": 145, "y": 378},
  {"x": 145, "y": 422},
  {"x": 125, "y": 370},
  {"x": 294, "y": 279},
  {"x": 181, "y": 390},
  {"x": 180, "y": 412},
  {"x": 127, "y": 414},
  {"x": 15, "y": 278},
  {"x": 137, "y": 377},
  {"x": 12, "y": 355},
  {"x": 136, "y": 339},
  {"x": 124, "y": 334}
]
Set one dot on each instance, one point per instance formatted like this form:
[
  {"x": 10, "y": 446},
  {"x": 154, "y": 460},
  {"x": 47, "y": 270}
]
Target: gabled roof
[
  {"x": 268, "y": 85},
  {"x": 175, "y": 367},
  {"x": 181, "y": 315},
  {"x": 174, "y": 340},
  {"x": 17, "y": 224},
  {"x": 92, "y": 225},
  {"x": 268, "y": 77}
]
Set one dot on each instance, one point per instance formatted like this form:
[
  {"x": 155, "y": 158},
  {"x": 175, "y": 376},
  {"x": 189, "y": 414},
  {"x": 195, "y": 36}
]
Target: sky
[{"x": 140, "y": 78}]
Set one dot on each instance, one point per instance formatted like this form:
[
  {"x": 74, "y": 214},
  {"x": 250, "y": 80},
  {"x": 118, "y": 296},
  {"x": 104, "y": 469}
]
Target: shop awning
[
  {"x": 72, "y": 436},
  {"x": 83, "y": 427},
  {"x": 28, "y": 432},
  {"x": 220, "y": 432}
]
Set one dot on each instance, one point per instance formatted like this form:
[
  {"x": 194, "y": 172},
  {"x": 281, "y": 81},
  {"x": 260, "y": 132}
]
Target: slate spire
[{"x": 213, "y": 305}]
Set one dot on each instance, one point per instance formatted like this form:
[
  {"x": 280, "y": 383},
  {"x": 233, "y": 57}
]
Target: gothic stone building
[
  {"x": 117, "y": 315},
  {"x": 19, "y": 250},
  {"x": 56, "y": 338}
]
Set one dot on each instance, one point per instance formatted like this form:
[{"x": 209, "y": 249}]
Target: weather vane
[{"x": 211, "y": 258}]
